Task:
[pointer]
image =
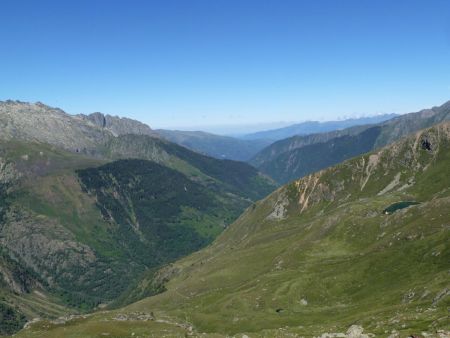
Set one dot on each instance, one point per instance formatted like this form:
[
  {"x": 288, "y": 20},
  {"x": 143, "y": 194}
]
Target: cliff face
[
  {"x": 77, "y": 133},
  {"x": 118, "y": 125},
  {"x": 38, "y": 122}
]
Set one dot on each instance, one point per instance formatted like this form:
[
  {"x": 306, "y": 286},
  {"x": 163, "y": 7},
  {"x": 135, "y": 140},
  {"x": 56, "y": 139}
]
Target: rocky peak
[
  {"x": 79, "y": 133},
  {"x": 11, "y": 102},
  {"x": 98, "y": 119},
  {"x": 118, "y": 125},
  {"x": 39, "y": 122}
]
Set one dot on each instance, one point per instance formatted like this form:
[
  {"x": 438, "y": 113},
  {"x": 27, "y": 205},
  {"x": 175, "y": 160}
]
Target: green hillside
[
  {"x": 218, "y": 146},
  {"x": 238, "y": 177},
  {"x": 319, "y": 255},
  {"x": 107, "y": 138},
  {"x": 77, "y": 232}
]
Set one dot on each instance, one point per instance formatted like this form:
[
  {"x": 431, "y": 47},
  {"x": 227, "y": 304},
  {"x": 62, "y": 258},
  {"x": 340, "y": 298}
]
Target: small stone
[
  {"x": 356, "y": 331},
  {"x": 443, "y": 334}
]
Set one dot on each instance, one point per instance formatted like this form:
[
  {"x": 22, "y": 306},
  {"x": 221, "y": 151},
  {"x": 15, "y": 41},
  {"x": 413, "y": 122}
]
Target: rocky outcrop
[
  {"x": 44, "y": 246},
  {"x": 354, "y": 331},
  {"x": 15, "y": 276},
  {"x": 118, "y": 125},
  {"x": 8, "y": 172},
  {"x": 8, "y": 175},
  {"x": 280, "y": 209},
  {"x": 79, "y": 133},
  {"x": 38, "y": 122}
]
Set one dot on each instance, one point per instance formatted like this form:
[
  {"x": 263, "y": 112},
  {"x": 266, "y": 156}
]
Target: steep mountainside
[
  {"x": 113, "y": 138},
  {"x": 82, "y": 230},
  {"x": 286, "y": 160},
  {"x": 118, "y": 125},
  {"x": 38, "y": 122},
  {"x": 406, "y": 124},
  {"x": 239, "y": 177},
  {"x": 320, "y": 155},
  {"x": 359, "y": 247},
  {"x": 215, "y": 145},
  {"x": 85, "y": 210},
  {"x": 314, "y": 127},
  {"x": 271, "y": 152}
]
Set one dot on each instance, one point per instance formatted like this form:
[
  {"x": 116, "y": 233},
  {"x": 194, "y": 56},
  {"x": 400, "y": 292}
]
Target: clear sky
[{"x": 194, "y": 63}]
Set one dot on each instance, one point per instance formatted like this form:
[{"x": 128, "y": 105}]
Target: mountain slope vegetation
[
  {"x": 89, "y": 204},
  {"x": 320, "y": 155},
  {"x": 112, "y": 138},
  {"x": 316, "y": 257},
  {"x": 241, "y": 178},
  {"x": 222, "y": 147},
  {"x": 86, "y": 229},
  {"x": 285, "y": 160}
]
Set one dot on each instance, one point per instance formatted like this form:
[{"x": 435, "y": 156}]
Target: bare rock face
[
  {"x": 354, "y": 331},
  {"x": 15, "y": 277},
  {"x": 96, "y": 118},
  {"x": 79, "y": 133},
  {"x": 33, "y": 248},
  {"x": 38, "y": 122},
  {"x": 118, "y": 125},
  {"x": 280, "y": 208},
  {"x": 44, "y": 246},
  {"x": 8, "y": 173}
]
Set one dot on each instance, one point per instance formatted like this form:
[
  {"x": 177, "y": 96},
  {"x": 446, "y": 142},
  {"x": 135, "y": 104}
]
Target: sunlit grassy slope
[{"x": 316, "y": 256}]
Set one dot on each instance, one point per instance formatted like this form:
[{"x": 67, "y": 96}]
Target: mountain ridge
[
  {"x": 104, "y": 138},
  {"x": 282, "y": 159},
  {"x": 118, "y": 125},
  {"x": 314, "y": 127},
  {"x": 223, "y": 147}
]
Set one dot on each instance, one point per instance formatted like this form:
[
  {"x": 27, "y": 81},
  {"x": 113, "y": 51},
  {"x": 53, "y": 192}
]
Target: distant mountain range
[
  {"x": 314, "y": 127},
  {"x": 297, "y": 156},
  {"x": 245, "y": 147}
]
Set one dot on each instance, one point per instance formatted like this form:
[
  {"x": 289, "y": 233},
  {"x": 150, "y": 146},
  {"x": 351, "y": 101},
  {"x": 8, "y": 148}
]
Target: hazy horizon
[
  {"x": 229, "y": 129},
  {"x": 242, "y": 129},
  {"x": 189, "y": 65}
]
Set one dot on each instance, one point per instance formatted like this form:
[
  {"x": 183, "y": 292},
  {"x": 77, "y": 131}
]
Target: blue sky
[{"x": 193, "y": 63}]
